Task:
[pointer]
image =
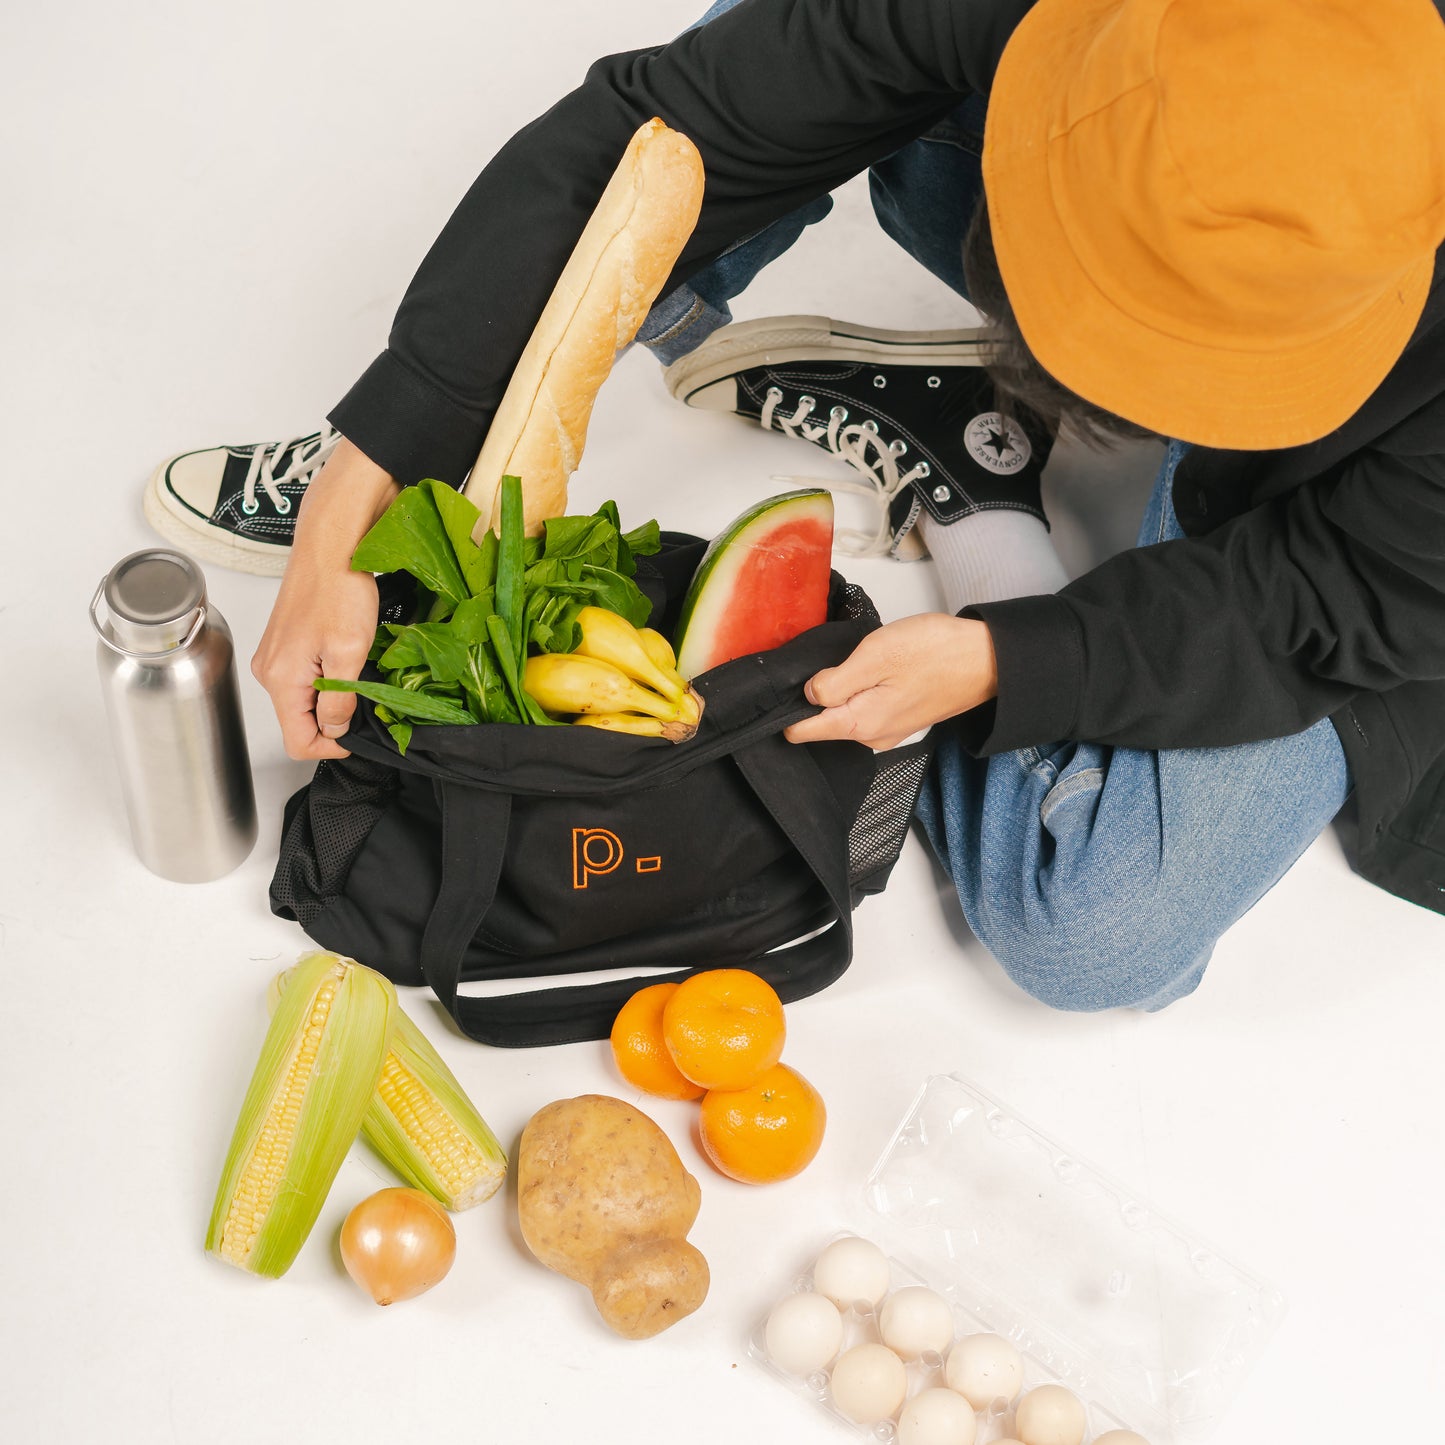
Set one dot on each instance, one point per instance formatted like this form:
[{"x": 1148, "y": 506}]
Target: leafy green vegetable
[
  {"x": 419, "y": 705},
  {"x": 478, "y": 562},
  {"x": 643, "y": 541},
  {"x": 510, "y": 573},
  {"x": 410, "y": 536},
  {"x": 400, "y": 731},
  {"x": 527, "y": 705},
  {"x": 482, "y": 607}
]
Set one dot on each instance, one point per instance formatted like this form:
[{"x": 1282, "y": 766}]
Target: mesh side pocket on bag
[
  {"x": 876, "y": 837},
  {"x": 856, "y": 605},
  {"x": 332, "y": 819}
]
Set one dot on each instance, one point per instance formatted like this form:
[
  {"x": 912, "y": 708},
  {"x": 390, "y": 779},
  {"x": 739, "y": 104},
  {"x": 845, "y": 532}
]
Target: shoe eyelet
[
  {"x": 941, "y": 494},
  {"x": 898, "y": 448},
  {"x": 774, "y": 393},
  {"x": 250, "y": 507},
  {"x": 283, "y": 506},
  {"x": 808, "y": 401},
  {"x": 839, "y": 413},
  {"x": 871, "y": 425},
  {"x": 934, "y": 383},
  {"x": 880, "y": 382},
  {"x": 924, "y": 470}
]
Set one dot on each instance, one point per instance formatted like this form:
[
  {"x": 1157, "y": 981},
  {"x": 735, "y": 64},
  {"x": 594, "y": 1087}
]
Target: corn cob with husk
[
  {"x": 421, "y": 1122},
  {"x": 312, "y": 1085}
]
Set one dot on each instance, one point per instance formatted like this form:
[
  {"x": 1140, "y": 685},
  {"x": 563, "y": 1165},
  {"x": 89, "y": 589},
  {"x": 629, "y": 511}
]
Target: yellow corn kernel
[
  {"x": 425, "y": 1127},
  {"x": 421, "y": 1122},
  {"x": 311, "y": 1088}
]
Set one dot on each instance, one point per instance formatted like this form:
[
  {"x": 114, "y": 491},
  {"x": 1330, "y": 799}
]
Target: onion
[{"x": 397, "y": 1244}]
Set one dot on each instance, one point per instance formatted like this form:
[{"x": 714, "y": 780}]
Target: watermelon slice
[{"x": 762, "y": 581}]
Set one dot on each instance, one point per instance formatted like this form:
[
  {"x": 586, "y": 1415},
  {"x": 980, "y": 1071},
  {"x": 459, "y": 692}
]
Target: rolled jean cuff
[
  {"x": 406, "y": 426},
  {"x": 680, "y": 323}
]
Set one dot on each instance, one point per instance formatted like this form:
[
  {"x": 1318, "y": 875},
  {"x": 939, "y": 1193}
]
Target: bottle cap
[{"x": 153, "y": 599}]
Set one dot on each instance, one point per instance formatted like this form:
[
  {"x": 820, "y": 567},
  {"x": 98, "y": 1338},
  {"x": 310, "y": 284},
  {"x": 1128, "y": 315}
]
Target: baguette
[{"x": 625, "y": 253}]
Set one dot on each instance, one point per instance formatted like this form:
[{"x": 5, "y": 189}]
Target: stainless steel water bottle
[{"x": 168, "y": 672}]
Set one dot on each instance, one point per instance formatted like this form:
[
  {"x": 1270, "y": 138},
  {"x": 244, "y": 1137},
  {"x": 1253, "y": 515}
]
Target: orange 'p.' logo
[{"x": 594, "y": 851}]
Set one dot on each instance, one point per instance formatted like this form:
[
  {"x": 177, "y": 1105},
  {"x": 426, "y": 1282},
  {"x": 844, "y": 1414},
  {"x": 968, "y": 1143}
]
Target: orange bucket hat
[{"x": 1218, "y": 218}]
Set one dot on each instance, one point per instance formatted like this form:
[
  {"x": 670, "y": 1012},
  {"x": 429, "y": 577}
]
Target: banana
[
  {"x": 689, "y": 710},
  {"x": 565, "y": 682},
  {"x": 610, "y": 638},
  {"x": 631, "y": 722},
  {"x": 658, "y": 648}
]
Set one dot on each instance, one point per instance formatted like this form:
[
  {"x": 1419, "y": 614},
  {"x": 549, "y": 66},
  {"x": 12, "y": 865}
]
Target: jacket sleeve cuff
[
  {"x": 406, "y": 426},
  {"x": 1039, "y": 649}
]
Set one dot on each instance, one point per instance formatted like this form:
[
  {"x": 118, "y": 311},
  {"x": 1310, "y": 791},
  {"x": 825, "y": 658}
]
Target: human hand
[
  {"x": 900, "y": 679},
  {"x": 324, "y": 618}
]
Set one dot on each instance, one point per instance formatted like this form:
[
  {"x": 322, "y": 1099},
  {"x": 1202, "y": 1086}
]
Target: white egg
[
  {"x": 937, "y": 1417},
  {"x": 1120, "y": 1437},
  {"x": 984, "y": 1368},
  {"x": 850, "y": 1271},
  {"x": 804, "y": 1333},
  {"x": 869, "y": 1383},
  {"x": 1050, "y": 1415},
  {"x": 915, "y": 1320}
]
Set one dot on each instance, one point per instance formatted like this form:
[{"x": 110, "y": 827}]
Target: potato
[{"x": 604, "y": 1199}]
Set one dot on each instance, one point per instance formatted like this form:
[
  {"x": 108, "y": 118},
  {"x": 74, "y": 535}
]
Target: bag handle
[
  {"x": 791, "y": 787},
  {"x": 474, "y": 841}
]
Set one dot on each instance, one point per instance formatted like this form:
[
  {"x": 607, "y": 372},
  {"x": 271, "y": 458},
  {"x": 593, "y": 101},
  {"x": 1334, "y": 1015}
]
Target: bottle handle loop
[{"x": 110, "y": 642}]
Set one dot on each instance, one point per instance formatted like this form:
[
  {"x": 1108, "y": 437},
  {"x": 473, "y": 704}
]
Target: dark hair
[{"x": 1019, "y": 380}]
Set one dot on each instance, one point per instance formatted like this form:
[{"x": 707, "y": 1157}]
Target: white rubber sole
[
  {"x": 199, "y": 539},
  {"x": 776, "y": 340}
]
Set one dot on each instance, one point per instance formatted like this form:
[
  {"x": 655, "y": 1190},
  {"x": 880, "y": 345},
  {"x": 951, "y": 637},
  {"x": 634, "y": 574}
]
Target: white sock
[{"x": 993, "y": 555}]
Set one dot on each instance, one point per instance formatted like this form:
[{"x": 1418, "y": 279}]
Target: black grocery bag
[{"x": 502, "y": 851}]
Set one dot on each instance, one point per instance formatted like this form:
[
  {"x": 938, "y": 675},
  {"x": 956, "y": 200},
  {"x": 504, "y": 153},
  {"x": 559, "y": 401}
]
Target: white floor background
[{"x": 209, "y": 214}]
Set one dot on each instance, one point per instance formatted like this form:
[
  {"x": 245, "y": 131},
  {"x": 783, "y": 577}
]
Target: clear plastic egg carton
[
  {"x": 1151, "y": 1328},
  {"x": 861, "y": 1326}
]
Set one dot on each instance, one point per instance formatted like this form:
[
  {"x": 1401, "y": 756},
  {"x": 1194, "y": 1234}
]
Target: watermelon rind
[{"x": 710, "y": 593}]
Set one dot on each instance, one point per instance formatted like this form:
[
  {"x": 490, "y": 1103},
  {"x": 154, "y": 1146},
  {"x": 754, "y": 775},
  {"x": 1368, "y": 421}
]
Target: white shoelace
[
  {"x": 304, "y": 465},
  {"x": 851, "y": 442}
]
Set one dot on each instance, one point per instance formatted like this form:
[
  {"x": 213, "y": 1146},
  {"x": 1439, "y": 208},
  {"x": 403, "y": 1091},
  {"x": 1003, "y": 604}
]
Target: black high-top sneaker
[
  {"x": 911, "y": 411},
  {"x": 236, "y": 505}
]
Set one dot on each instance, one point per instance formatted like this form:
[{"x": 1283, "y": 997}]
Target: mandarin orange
[
  {"x": 724, "y": 1028},
  {"x": 638, "y": 1048},
  {"x": 770, "y": 1130}
]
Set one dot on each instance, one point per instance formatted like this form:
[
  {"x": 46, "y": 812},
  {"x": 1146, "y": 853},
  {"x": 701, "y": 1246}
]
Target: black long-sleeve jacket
[{"x": 1311, "y": 582}]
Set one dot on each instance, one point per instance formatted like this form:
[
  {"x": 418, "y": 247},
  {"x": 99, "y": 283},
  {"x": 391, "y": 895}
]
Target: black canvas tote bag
[{"x": 502, "y": 851}]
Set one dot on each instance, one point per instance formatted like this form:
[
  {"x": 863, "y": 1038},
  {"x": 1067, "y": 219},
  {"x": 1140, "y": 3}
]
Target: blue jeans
[
  {"x": 1099, "y": 877},
  {"x": 1102, "y": 877}
]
